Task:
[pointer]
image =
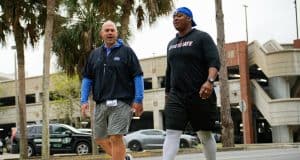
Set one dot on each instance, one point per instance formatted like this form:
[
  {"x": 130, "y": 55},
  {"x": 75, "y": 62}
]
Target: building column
[
  {"x": 157, "y": 115},
  {"x": 246, "y": 101},
  {"x": 280, "y": 88},
  {"x": 155, "y": 82},
  {"x": 37, "y": 97},
  {"x": 158, "y": 119},
  {"x": 282, "y": 134}
]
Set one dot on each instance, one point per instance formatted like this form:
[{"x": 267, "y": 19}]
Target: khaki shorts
[{"x": 112, "y": 120}]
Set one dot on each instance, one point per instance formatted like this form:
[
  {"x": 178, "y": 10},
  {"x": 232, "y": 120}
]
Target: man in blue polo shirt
[{"x": 114, "y": 74}]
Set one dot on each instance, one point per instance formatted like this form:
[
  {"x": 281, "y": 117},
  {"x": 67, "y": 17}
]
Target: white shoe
[{"x": 128, "y": 157}]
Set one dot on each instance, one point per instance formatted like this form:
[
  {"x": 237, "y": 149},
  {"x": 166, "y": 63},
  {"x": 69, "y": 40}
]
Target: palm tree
[
  {"x": 227, "y": 123},
  {"x": 146, "y": 8},
  {"x": 46, "y": 75},
  {"x": 77, "y": 37},
  {"x": 144, "y": 11},
  {"x": 25, "y": 19}
]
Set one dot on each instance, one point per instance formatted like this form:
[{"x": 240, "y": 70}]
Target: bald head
[
  {"x": 109, "y": 23},
  {"x": 109, "y": 33}
]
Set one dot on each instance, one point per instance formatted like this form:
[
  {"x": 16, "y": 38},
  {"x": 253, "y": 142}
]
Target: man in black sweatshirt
[{"x": 192, "y": 67}]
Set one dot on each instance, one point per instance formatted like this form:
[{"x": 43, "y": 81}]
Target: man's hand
[
  {"x": 206, "y": 90},
  {"x": 138, "y": 109},
  {"x": 84, "y": 109}
]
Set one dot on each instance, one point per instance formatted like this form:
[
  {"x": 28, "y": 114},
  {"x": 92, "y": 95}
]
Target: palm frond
[
  {"x": 140, "y": 14},
  {"x": 164, "y": 7}
]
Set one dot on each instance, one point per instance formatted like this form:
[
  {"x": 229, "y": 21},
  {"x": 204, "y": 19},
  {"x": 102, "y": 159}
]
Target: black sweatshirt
[
  {"x": 113, "y": 74},
  {"x": 188, "y": 60}
]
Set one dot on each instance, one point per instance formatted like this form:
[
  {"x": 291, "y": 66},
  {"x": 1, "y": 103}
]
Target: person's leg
[
  {"x": 209, "y": 144},
  {"x": 113, "y": 146},
  {"x": 101, "y": 137},
  {"x": 202, "y": 114},
  {"x": 117, "y": 147},
  {"x": 118, "y": 125},
  {"x": 105, "y": 144},
  {"x": 176, "y": 120},
  {"x": 171, "y": 144}
]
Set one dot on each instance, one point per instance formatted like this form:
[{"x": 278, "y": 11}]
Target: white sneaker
[{"x": 128, "y": 157}]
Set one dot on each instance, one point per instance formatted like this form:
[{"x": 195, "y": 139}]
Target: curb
[
  {"x": 158, "y": 152},
  {"x": 239, "y": 147}
]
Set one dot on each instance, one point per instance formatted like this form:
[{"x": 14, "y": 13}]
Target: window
[
  {"x": 230, "y": 54},
  {"x": 30, "y": 98},
  {"x": 58, "y": 129},
  {"x": 157, "y": 133},
  {"x": 31, "y": 130},
  {"x": 10, "y": 101},
  {"x": 38, "y": 129},
  {"x": 34, "y": 130},
  {"x": 7, "y": 101},
  {"x": 152, "y": 132},
  {"x": 147, "y": 83}
]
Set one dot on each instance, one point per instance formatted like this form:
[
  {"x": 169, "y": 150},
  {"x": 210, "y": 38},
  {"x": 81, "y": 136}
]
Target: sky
[{"x": 266, "y": 19}]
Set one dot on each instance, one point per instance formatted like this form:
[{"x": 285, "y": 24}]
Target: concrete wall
[{"x": 154, "y": 98}]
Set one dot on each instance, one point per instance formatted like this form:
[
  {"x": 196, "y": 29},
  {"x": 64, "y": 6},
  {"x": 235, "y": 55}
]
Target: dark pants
[{"x": 181, "y": 109}]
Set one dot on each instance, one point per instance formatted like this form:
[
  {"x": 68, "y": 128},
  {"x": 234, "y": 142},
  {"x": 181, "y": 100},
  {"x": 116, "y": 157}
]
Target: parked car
[
  {"x": 217, "y": 137},
  {"x": 1, "y": 142},
  {"x": 7, "y": 144},
  {"x": 154, "y": 138},
  {"x": 63, "y": 139},
  {"x": 1, "y": 147},
  {"x": 85, "y": 130},
  {"x": 89, "y": 130}
]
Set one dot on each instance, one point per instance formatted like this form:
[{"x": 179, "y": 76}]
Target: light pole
[
  {"x": 296, "y": 18},
  {"x": 245, "y": 6}
]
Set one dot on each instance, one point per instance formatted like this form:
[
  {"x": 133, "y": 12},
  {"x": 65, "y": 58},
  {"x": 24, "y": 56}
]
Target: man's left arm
[
  {"x": 208, "y": 86},
  {"x": 213, "y": 61},
  {"x": 139, "y": 95},
  {"x": 136, "y": 71}
]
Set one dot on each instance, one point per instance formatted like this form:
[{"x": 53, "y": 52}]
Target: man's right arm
[{"x": 85, "y": 90}]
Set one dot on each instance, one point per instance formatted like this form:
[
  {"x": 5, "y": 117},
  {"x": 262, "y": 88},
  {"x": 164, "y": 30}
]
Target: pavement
[{"x": 158, "y": 152}]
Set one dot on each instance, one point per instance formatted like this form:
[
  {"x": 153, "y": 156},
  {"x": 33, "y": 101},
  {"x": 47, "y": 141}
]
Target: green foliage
[
  {"x": 65, "y": 88},
  {"x": 1, "y": 88},
  {"x": 1, "y": 91},
  {"x": 65, "y": 94}
]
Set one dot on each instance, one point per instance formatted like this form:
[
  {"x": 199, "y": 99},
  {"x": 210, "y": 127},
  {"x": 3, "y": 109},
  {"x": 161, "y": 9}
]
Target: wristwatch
[{"x": 211, "y": 80}]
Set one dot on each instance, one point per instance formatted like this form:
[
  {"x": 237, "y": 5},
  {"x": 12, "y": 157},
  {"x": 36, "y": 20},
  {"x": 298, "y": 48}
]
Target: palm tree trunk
[
  {"x": 19, "y": 39},
  {"x": 227, "y": 123},
  {"x": 46, "y": 75},
  {"x": 126, "y": 8},
  {"x": 92, "y": 121}
]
